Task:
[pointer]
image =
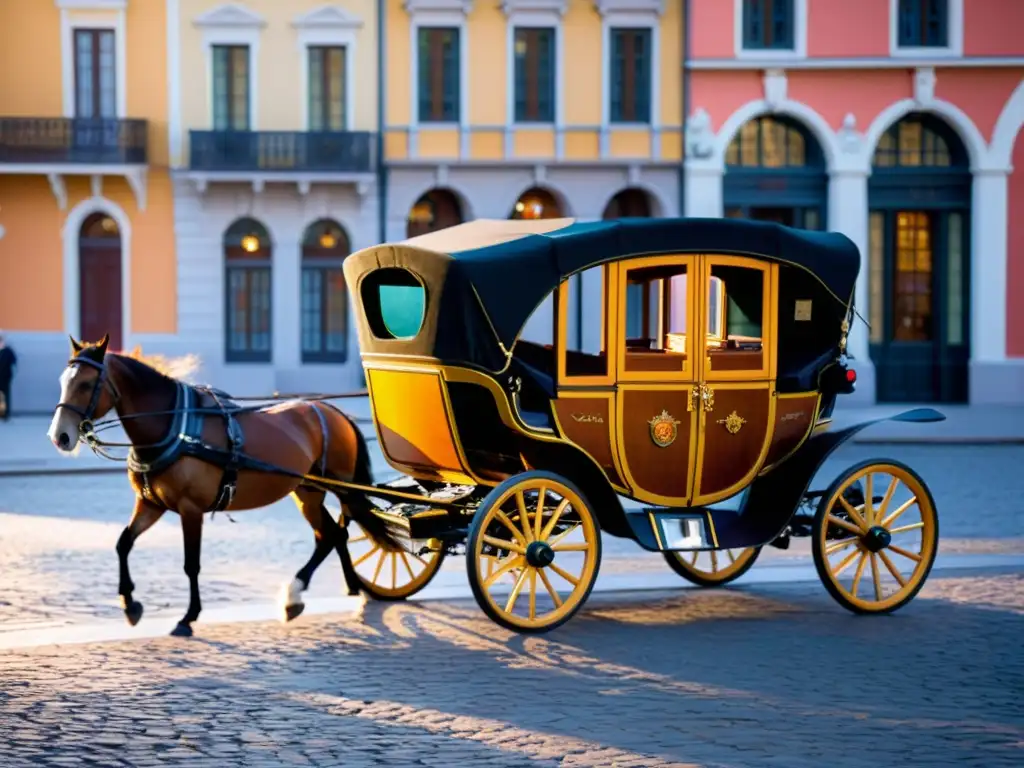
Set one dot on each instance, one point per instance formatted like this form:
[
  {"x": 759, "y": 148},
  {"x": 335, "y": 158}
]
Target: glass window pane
[
  {"x": 955, "y": 280},
  {"x": 742, "y": 293},
  {"x": 912, "y": 291},
  {"x": 655, "y": 319},
  {"x": 586, "y": 329},
  {"x": 401, "y": 308},
  {"x": 311, "y": 310},
  {"x": 876, "y": 278}
]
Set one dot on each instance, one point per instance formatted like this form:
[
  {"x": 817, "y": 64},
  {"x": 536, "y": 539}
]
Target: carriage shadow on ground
[{"x": 737, "y": 677}]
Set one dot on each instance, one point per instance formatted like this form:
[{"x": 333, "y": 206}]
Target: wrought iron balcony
[
  {"x": 282, "y": 151},
  {"x": 76, "y": 140}
]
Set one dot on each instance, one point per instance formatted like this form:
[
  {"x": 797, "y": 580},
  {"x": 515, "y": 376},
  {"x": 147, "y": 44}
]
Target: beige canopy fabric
[{"x": 482, "y": 233}]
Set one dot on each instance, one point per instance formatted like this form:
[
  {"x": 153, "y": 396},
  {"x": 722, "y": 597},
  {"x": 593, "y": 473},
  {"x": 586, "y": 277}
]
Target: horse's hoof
[
  {"x": 354, "y": 591},
  {"x": 133, "y": 612},
  {"x": 292, "y": 612},
  {"x": 181, "y": 630}
]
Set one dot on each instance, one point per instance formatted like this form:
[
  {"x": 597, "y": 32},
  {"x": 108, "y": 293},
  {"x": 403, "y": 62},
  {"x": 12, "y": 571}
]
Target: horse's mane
[{"x": 179, "y": 368}]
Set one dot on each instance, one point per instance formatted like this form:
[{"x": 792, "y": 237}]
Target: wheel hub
[
  {"x": 539, "y": 554},
  {"x": 877, "y": 539}
]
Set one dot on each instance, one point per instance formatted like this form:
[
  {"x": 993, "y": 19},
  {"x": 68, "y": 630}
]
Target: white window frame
[
  {"x": 93, "y": 14},
  {"x": 535, "y": 13},
  {"x": 439, "y": 13},
  {"x": 631, "y": 14},
  {"x": 954, "y": 47},
  {"x": 797, "y": 52},
  {"x": 327, "y": 26},
  {"x": 232, "y": 24}
]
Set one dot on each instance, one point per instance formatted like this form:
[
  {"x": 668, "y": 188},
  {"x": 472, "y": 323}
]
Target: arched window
[
  {"x": 918, "y": 141},
  {"x": 436, "y": 209},
  {"x": 324, "y": 297},
  {"x": 247, "y": 279},
  {"x": 629, "y": 203},
  {"x": 772, "y": 142},
  {"x": 536, "y": 203}
]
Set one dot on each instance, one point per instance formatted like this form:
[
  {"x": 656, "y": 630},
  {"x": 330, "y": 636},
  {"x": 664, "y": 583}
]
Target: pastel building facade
[{"x": 897, "y": 122}]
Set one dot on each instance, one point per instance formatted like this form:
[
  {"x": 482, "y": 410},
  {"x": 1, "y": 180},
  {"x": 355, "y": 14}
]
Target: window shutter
[
  {"x": 753, "y": 29},
  {"x": 424, "y": 74},
  {"x": 938, "y": 17},
  {"x": 546, "y": 74},
  {"x": 782, "y": 24},
  {"x": 617, "y": 75},
  {"x": 909, "y": 23},
  {"x": 450, "y": 62},
  {"x": 642, "y": 86}
]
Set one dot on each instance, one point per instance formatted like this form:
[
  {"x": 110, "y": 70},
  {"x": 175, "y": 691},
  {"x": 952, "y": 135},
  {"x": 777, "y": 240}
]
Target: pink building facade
[{"x": 898, "y": 123}]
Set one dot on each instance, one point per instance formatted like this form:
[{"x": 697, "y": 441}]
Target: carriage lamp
[{"x": 250, "y": 243}]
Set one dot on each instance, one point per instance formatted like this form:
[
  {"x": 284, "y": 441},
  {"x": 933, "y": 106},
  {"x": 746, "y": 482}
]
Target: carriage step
[{"x": 675, "y": 531}]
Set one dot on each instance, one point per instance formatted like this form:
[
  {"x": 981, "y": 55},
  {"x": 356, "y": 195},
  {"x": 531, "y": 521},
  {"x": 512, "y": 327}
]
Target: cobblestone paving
[
  {"x": 761, "y": 676},
  {"x": 57, "y": 538}
]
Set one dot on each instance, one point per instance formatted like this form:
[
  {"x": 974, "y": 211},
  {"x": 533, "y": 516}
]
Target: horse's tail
[{"x": 359, "y": 507}]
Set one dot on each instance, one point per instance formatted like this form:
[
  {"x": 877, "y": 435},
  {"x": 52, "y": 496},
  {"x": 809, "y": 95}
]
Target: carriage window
[
  {"x": 735, "y": 318},
  {"x": 394, "y": 302},
  {"x": 655, "y": 317},
  {"x": 586, "y": 331}
]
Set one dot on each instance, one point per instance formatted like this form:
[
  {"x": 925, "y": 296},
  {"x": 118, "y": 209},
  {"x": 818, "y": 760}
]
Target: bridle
[{"x": 86, "y": 430}]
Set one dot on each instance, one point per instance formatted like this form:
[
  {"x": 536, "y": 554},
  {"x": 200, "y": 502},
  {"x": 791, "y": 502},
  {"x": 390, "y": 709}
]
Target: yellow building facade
[
  {"x": 86, "y": 215},
  {"x": 531, "y": 108}
]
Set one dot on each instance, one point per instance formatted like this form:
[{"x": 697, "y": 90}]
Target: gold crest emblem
[
  {"x": 733, "y": 422},
  {"x": 664, "y": 429}
]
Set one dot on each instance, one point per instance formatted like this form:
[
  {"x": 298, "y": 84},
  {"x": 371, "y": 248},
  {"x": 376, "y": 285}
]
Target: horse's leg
[
  {"x": 311, "y": 503},
  {"x": 192, "y": 534},
  {"x": 347, "y": 566},
  {"x": 144, "y": 515}
]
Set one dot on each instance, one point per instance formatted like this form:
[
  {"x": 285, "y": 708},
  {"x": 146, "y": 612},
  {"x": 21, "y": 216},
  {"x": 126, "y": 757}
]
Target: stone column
[
  {"x": 285, "y": 302},
  {"x": 704, "y": 188},
  {"x": 991, "y": 379}
]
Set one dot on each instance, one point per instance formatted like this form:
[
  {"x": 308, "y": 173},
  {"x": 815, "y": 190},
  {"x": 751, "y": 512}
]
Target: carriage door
[
  {"x": 735, "y": 357},
  {"x": 656, "y": 376}
]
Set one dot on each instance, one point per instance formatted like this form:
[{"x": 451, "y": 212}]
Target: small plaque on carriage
[{"x": 802, "y": 312}]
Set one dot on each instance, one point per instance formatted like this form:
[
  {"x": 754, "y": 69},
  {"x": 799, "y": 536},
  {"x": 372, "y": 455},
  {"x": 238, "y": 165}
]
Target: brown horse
[{"x": 193, "y": 451}]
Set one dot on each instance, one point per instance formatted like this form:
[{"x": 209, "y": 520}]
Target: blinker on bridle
[{"x": 101, "y": 382}]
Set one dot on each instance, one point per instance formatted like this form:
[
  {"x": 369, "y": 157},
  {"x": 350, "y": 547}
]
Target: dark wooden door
[
  {"x": 100, "y": 289},
  {"x": 919, "y": 286}
]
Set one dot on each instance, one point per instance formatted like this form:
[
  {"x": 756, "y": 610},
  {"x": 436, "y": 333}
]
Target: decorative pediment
[
  {"x": 535, "y": 6},
  {"x": 92, "y": 5},
  {"x": 327, "y": 17},
  {"x": 448, "y": 6},
  {"x": 229, "y": 15},
  {"x": 632, "y": 7}
]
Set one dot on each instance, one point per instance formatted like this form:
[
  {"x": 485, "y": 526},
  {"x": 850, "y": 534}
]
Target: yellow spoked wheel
[
  {"x": 712, "y": 567},
  {"x": 533, "y": 552},
  {"x": 874, "y": 556},
  {"x": 389, "y": 575}
]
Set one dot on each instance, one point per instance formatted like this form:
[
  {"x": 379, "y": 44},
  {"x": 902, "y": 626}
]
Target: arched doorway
[
  {"x": 775, "y": 171},
  {"x": 324, "y": 304},
  {"x": 536, "y": 203},
  {"x": 247, "y": 265},
  {"x": 630, "y": 202},
  {"x": 99, "y": 280},
  {"x": 919, "y": 197},
  {"x": 437, "y": 209}
]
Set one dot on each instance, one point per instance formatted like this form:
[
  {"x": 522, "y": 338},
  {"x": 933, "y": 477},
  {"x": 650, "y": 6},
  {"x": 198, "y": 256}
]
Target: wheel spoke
[
  {"x": 511, "y": 546},
  {"x": 732, "y": 557},
  {"x": 869, "y": 495},
  {"x": 853, "y": 513},
  {"x": 516, "y": 589},
  {"x": 693, "y": 562},
  {"x": 511, "y": 526},
  {"x": 539, "y": 514},
  {"x": 524, "y": 516},
  {"x": 859, "y": 572},
  {"x": 514, "y": 562},
  {"x": 394, "y": 570},
  {"x": 380, "y": 564},
  {"x": 554, "y": 519},
  {"x": 364, "y": 557},
  {"x": 714, "y": 561},
  {"x": 551, "y": 590},
  {"x": 562, "y": 536},
  {"x": 567, "y": 576},
  {"x": 533, "y": 593},
  {"x": 905, "y": 553},
  {"x": 581, "y": 547},
  {"x": 845, "y": 563},
  {"x": 842, "y": 544},
  {"x": 905, "y": 528},
  {"x": 888, "y": 496},
  {"x": 892, "y": 569},
  {"x": 357, "y": 539},
  {"x": 408, "y": 568},
  {"x": 876, "y": 578},
  {"x": 899, "y": 511},
  {"x": 840, "y": 523}
]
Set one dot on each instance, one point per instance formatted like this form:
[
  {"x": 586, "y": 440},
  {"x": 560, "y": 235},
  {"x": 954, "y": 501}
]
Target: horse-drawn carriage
[
  {"x": 710, "y": 376},
  {"x": 700, "y": 387}
]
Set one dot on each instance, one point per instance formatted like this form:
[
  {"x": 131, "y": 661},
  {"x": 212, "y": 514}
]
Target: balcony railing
[
  {"x": 78, "y": 140},
  {"x": 282, "y": 151}
]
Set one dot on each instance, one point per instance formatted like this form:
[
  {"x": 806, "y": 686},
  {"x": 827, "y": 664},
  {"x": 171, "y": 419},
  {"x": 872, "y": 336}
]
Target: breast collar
[{"x": 186, "y": 427}]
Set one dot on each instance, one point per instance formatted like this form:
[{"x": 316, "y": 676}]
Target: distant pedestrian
[{"x": 8, "y": 366}]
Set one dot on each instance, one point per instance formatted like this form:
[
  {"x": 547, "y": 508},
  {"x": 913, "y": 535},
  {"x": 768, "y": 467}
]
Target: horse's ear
[
  {"x": 103, "y": 344},
  {"x": 75, "y": 346}
]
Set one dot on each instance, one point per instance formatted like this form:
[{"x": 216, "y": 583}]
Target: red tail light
[{"x": 851, "y": 375}]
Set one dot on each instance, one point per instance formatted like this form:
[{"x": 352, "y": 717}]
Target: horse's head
[{"x": 86, "y": 394}]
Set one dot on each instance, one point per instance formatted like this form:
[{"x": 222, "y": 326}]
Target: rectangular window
[
  {"x": 231, "y": 87},
  {"x": 324, "y": 313},
  {"x": 923, "y": 23},
  {"x": 327, "y": 88},
  {"x": 95, "y": 73},
  {"x": 248, "y": 313},
  {"x": 439, "y": 87},
  {"x": 631, "y": 76},
  {"x": 535, "y": 75},
  {"x": 656, "y": 310},
  {"x": 586, "y": 343},
  {"x": 768, "y": 24}
]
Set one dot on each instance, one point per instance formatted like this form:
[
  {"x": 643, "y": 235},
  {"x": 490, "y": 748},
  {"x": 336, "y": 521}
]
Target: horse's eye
[{"x": 81, "y": 387}]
